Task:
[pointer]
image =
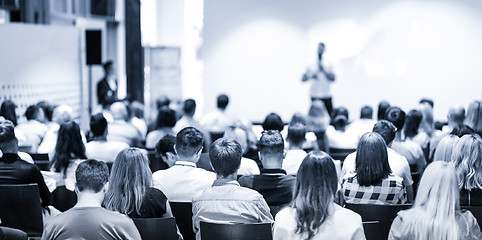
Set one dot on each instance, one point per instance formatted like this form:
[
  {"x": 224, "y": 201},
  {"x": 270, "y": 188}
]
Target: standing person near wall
[
  {"x": 107, "y": 86},
  {"x": 322, "y": 78}
]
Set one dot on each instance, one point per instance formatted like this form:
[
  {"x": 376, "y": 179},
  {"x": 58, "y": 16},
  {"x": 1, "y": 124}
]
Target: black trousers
[{"x": 328, "y": 103}]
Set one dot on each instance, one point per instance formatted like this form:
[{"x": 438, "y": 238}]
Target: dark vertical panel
[{"x": 134, "y": 53}]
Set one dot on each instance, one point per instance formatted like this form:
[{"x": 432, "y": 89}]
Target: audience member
[
  {"x": 398, "y": 163},
  {"x": 187, "y": 120},
  {"x": 69, "y": 153},
  {"x": 412, "y": 129},
  {"x": 455, "y": 118},
  {"x": 474, "y": 116},
  {"x": 295, "y": 154},
  {"x": 15, "y": 171},
  {"x": 33, "y": 129},
  {"x": 7, "y": 110},
  {"x": 61, "y": 114},
  {"x": 248, "y": 166},
  {"x": 273, "y": 183},
  {"x": 226, "y": 201},
  {"x": 136, "y": 110},
  {"x": 217, "y": 121},
  {"x": 338, "y": 135},
  {"x": 7, "y": 233},
  {"x": 183, "y": 180},
  {"x": 312, "y": 213},
  {"x": 310, "y": 141},
  {"x": 165, "y": 121},
  {"x": 445, "y": 148},
  {"x": 382, "y": 110},
  {"x": 273, "y": 122},
  {"x": 120, "y": 130},
  {"x": 99, "y": 147},
  {"x": 161, "y": 101},
  {"x": 87, "y": 219},
  {"x": 372, "y": 181},
  {"x": 405, "y": 147},
  {"x": 364, "y": 124},
  {"x": 48, "y": 111},
  {"x": 317, "y": 122},
  {"x": 467, "y": 158},
  {"x": 436, "y": 212},
  {"x": 130, "y": 190},
  {"x": 165, "y": 150}
]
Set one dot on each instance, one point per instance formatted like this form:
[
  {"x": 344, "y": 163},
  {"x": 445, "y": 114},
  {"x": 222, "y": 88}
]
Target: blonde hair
[
  {"x": 474, "y": 116},
  {"x": 444, "y": 149},
  {"x": 426, "y": 125},
  {"x": 130, "y": 177},
  {"x": 467, "y": 158},
  {"x": 433, "y": 213}
]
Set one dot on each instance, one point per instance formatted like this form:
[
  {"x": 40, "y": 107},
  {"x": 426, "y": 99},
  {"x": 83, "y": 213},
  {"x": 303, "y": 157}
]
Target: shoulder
[
  {"x": 346, "y": 214},
  {"x": 246, "y": 180},
  {"x": 155, "y": 193}
]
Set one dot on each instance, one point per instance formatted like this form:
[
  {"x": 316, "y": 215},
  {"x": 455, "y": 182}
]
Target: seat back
[
  {"x": 156, "y": 228},
  {"x": 372, "y": 230},
  {"x": 155, "y": 162},
  {"x": 182, "y": 211},
  {"x": 384, "y": 214},
  {"x": 63, "y": 199},
  {"x": 476, "y": 211},
  {"x": 340, "y": 153},
  {"x": 41, "y": 160},
  {"x": 20, "y": 208},
  {"x": 214, "y": 231}
]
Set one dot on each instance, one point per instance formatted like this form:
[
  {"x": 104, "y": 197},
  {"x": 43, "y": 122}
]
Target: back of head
[
  {"x": 62, "y": 113},
  {"x": 163, "y": 101},
  {"x": 412, "y": 122},
  {"x": 386, "y": 129},
  {"x": 426, "y": 124},
  {"x": 166, "y": 117},
  {"x": 467, "y": 158},
  {"x": 371, "y": 160},
  {"x": 32, "y": 112},
  {"x": 107, "y": 66},
  {"x": 137, "y": 109},
  {"x": 188, "y": 142},
  {"x": 7, "y": 135},
  {"x": 271, "y": 143},
  {"x": 343, "y": 111},
  {"x": 382, "y": 110},
  {"x": 298, "y": 118},
  {"x": 366, "y": 112},
  {"x": 98, "y": 124},
  {"x": 47, "y": 108},
  {"x": 474, "y": 116},
  {"x": 225, "y": 156},
  {"x": 396, "y": 116},
  {"x": 91, "y": 175},
  {"x": 444, "y": 149},
  {"x": 316, "y": 184},
  {"x": 189, "y": 107},
  {"x": 296, "y": 134},
  {"x": 69, "y": 146},
  {"x": 222, "y": 101},
  {"x": 427, "y": 101},
  {"x": 7, "y": 110},
  {"x": 238, "y": 134},
  {"x": 119, "y": 111},
  {"x": 435, "y": 204},
  {"x": 129, "y": 178},
  {"x": 340, "y": 122},
  {"x": 165, "y": 145},
  {"x": 456, "y": 115},
  {"x": 273, "y": 122}
]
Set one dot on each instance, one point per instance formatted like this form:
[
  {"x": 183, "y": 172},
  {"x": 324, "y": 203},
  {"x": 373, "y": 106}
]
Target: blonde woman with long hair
[
  {"x": 436, "y": 213},
  {"x": 444, "y": 149},
  {"x": 130, "y": 190}
]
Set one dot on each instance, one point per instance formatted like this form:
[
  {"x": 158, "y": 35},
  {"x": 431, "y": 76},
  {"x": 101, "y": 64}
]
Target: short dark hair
[
  {"x": 7, "y": 110},
  {"x": 340, "y": 111},
  {"x": 366, "y": 112},
  {"x": 165, "y": 145},
  {"x": 189, "y": 106},
  {"x": 371, "y": 160},
  {"x": 273, "y": 122},
  {"x": 107, "y": 65},
  {"x": 98, "y": 124},
  {"x": 225, "y": 155},
  {"x": 382, "y": 110},
  {"x": 166, "y": 117},
  {"x": 188, "y": 141},
  {"x": 47, "y": 108},
  {"x": 386, "y": 129},
  {"x": 296, "y": 133},
  {"x": 222, "y": 101},
  {"x": 396, "y": 116},
  {"x": 91, "y": 175},
  {"x": 427, "y": 100},
  {"x": 7, "y": 131},
  {"x": 271, "y": 142},
  {"x": 32, "y": 112},
  {"x": 412, "y": 122}
]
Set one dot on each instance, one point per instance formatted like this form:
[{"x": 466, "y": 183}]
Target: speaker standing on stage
[
  {"x": 322, "y": 79},
  {"x": 107, "y": 86}
]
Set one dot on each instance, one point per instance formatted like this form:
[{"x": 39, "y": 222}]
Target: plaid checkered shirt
[{"x": 390, "y": 191}]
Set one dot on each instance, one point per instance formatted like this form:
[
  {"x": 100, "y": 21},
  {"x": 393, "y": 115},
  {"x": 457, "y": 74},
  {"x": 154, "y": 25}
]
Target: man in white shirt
[
  {"x": 183, "y": 180},
  {"x": 398, "y": 163},
  {"x": 217, "y": 121},
  {"x": 295, "y": 154}
]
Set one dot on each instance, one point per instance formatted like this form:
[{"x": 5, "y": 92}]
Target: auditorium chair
[
  {"x": 182, "y": 211},
  {"x": 20, "y": 208},
  {"x": 372, "y": 230},
  {"x": 155, "y": 162},
  {"x": 63, "y": 199},
  {"x": 340, "y": 153},
  {"x": 241, "y": 231},
  {"x": 384, "y": 214},
  {"x": 476, "y": 211},
  {"x": 41, "y": 160},
  {"x": 156, "y": 228}
]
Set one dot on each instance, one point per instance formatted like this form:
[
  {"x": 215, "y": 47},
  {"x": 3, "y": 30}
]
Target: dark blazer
[{"x": 105, "y": 94}]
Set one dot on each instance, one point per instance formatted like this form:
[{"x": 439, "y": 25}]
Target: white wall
[{"x": 400, "y": 51}]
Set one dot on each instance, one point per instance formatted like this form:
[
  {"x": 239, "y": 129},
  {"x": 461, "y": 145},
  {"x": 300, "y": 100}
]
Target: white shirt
[
  {"x": 343, "y": 140},
  {"x": 340, "y": 224},
  {"x": 397, "y": 162},
  {"x": 320, "y": 87},
  {"x": 182, "y": 181},
  {"x": 292, "y": 160},
  {"x": 105, "y": 151},
  {"x": 216, "y": 121},
  {"x": 248, "y": 167}
]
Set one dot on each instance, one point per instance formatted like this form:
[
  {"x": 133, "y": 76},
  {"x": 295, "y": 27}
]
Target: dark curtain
[{"x": 134, "y": 53}]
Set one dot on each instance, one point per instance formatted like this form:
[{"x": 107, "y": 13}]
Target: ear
[
  {"x": 174, "y": 147},
  {"x": 260, "y": 155},
  {"x": 284, "y": 154},
  {"x": 106, "y": 187},
  {"x": 76, "y": 190}
]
